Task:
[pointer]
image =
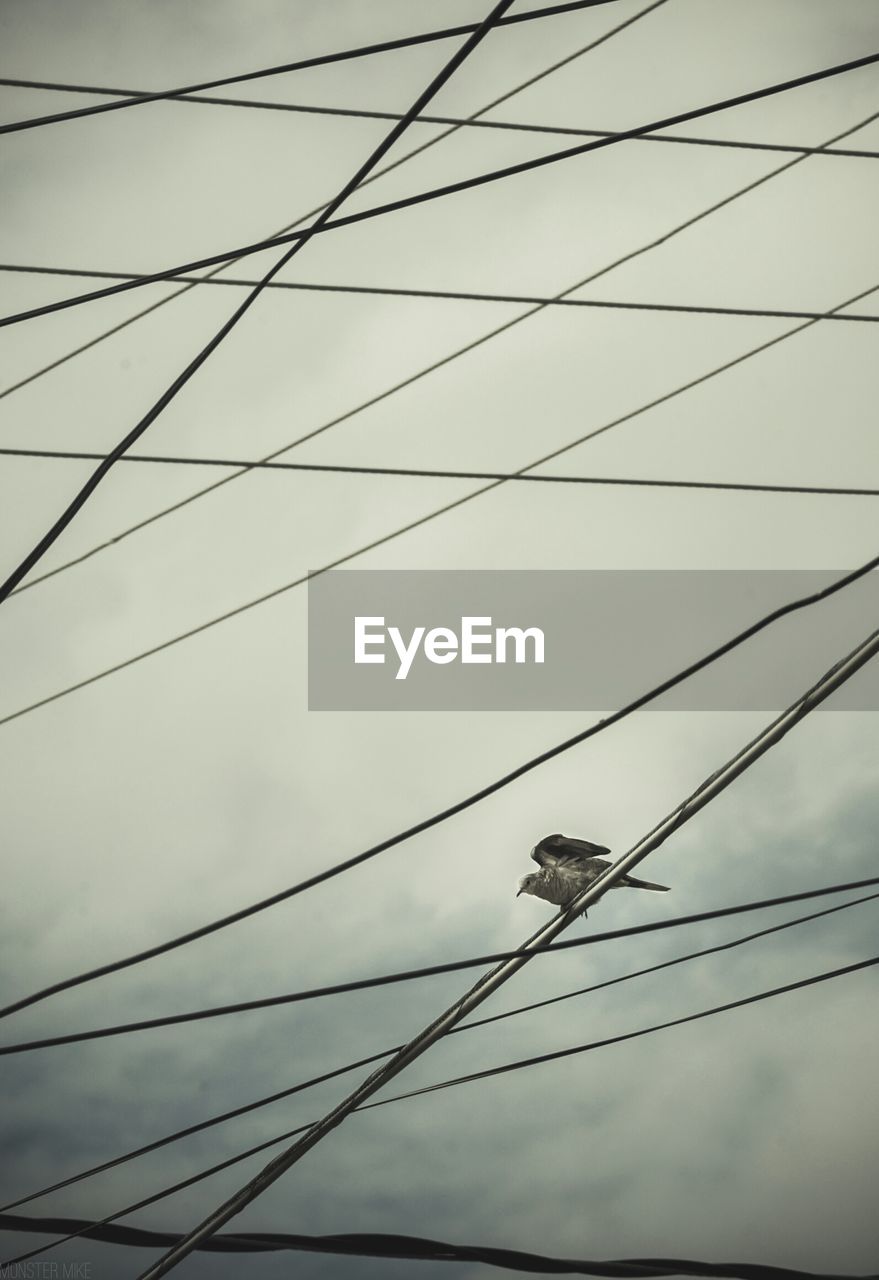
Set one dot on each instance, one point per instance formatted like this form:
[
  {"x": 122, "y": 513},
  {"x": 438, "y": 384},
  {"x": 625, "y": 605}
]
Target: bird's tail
[{"x": 632, "y": 883}]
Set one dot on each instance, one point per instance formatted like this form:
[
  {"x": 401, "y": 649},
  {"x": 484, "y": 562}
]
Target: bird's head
[{"x": 527, "y": 883}]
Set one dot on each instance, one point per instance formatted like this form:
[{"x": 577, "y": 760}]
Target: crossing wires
[
  {"x": 300, "y": 241},
  {"x": 87, "y": 1228},
  {"x": 450, "y": 811},
  {"x": 433, "y": 367},
  {"x": 590, "y": 939},
  {"x": 329, "y": 223},
  {"x": 487, "y": 985},
  {"x": 319, "y": 60},
  {"x": 211, "y": 277}
]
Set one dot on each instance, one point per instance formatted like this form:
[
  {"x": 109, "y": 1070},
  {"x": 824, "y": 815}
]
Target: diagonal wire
[
  {"x": 464, "y": 350},
  {"x": 394, "y": 164},
  {"x": 376, "y": 155}
]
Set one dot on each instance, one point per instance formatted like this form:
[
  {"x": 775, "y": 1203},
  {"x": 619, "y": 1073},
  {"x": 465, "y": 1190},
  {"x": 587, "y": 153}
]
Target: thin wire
[
  {"x": 541, "y": 1058},
  {"x": 444, "y": 814},
  {"x": 363, "y": 170},
  {"x": 160, "y": 1195},
  {"x": 200, "y": 1127},
  {"x": 320, "y": 60},
  {"x": 446, "y": 360},
  {"x": 465, "y": 184},
  {"x": 428, "y": 473},
  {"x": 460, "y": 296},
  {"x": 394, "y": 164},
  {"x": 350, "y": 112},
  {"x": 445, "y": 1084},
  {"x": 406, "y": 975}
]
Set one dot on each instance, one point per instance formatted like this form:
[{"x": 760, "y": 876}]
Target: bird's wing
[
  {"x": 546, "y": 852},
  {"x": 560, "y": 851}
]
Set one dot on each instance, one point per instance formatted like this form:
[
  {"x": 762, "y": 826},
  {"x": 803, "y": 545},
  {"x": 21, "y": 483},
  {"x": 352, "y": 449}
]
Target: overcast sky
[{"x": 197, "y": 781}]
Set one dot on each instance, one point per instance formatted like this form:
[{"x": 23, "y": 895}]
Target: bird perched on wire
[{"x": 568, "y": 866}]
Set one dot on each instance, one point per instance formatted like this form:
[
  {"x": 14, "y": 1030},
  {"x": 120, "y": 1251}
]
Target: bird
[{"x": 568, "y": 866}]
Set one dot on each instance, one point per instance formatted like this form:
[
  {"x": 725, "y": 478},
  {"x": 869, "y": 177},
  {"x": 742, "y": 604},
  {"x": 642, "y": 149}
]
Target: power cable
[
  {"x": 79, "y": 1231},
  {"x": 519, "y": 299},
  {"x": 246, "y": 1108},
  {"x": 406, "y": 975},
  {"x": 321, "y": 60},
  {"x": 436, "y": 83},
  {"x": 443, "y": 815},
  {"x": 464, "y": 184},
  {"x": 431, "y": 368},
  {"x": 419, "y": 1249},
  {"x": 429, "y": 473},
  {"x": 833, "y": 679},
  {"x": 457, "y": 121},
  {"x": 379, "y": 173}
]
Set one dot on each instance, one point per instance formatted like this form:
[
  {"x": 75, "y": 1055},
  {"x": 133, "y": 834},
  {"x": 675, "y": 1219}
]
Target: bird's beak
[{"x": 519, "y": 894}]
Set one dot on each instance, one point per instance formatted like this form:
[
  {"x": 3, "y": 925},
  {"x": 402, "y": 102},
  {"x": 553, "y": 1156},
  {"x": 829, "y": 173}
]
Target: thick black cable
[
  {"x": 457, "y": 121},
  {"x": 417, "y": 1249},
  {"x": 437, "y": 474},
  {"x": 409, "y": 975},
  {"x": 460, "y": 296},
  {"x": 472, "y": 345},
  {"x": 446, "y": 1084},
  {"x": 465, "y": 184},
  {"x": 422, "y": 147},
  {"x": 321, "y": 60},
  {"x": 246, "y": 1108},
  {"x": 302, "y": 238},
  {"x": 444, "y": 814}
]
